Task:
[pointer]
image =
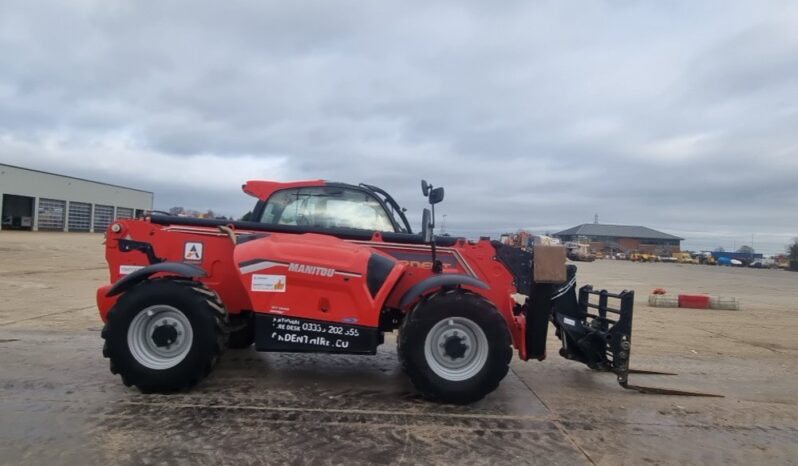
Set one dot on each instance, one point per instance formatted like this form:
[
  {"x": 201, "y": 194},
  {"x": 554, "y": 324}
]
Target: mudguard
[
  {"x": 438, "y": 281},
  {"x": 176, "y": 268}
]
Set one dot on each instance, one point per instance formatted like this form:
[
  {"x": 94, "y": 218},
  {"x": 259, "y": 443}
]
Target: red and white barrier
[{"x": 694, "y": 301}]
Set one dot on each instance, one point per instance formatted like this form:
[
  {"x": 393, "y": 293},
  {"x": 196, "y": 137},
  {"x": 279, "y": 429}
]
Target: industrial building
[
  {"x": 37, "y": 200},
  {"x": 622, "y": 238}
]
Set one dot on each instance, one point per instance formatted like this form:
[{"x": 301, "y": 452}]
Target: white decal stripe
[{"x": 260, "y": 266}]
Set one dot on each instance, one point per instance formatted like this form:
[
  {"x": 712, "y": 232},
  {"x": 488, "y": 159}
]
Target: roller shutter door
[
  {"x": 51, "y": 214},
  {"x": 79, "y": 216},
  {"x": 103, "y": 216},
  {"x": 123, "y": 213}
]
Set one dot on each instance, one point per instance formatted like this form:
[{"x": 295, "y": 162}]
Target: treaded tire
[
  {"x": 441, "y": 306},
  {"x": 244, "y": 335},
  {"x": 206, "y": 315}
]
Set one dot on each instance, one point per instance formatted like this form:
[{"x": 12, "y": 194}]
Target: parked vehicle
[
  {"x": 684, "y": 258},
  {"x": 642, "y": 257}
]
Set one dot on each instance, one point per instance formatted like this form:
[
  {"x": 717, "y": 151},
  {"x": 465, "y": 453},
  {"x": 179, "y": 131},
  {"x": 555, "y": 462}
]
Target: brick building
[{"x": 622, "y": 238}]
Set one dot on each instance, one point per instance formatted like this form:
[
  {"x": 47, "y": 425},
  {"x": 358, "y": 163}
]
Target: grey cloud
[{"x": 677, "y": 115}]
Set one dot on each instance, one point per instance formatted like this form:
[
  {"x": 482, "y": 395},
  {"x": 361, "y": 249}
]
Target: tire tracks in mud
[
  {"x": 50, "y": 314},
  {"x": 772, "y": 347},
  {"x": 207, "y": 432},
  {"x": 555, "y": 420},
  {"x": 39, "y": 272}
]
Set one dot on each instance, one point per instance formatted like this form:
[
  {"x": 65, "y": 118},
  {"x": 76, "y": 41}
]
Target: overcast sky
[{"x": 681, "y": 116}]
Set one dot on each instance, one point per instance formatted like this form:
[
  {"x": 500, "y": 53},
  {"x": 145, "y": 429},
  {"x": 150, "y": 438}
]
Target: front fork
[
  {"x": 596, "y": 334},
  {"x": 595, "y": 329}
]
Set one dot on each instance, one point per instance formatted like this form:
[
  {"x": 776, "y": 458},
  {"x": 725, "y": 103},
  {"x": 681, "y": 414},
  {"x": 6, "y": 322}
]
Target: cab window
[{"x": 326, "y": 207}]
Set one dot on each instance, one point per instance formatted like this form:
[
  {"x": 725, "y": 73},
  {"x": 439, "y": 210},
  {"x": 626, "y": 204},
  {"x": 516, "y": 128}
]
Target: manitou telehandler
[{"x": 329, "y": 268}]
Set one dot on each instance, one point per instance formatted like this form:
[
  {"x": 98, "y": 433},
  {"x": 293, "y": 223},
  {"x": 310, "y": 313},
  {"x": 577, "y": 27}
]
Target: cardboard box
[{"x": 549, "y": 264}]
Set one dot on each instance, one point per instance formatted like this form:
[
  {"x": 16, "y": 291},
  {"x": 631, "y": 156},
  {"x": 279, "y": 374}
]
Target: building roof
[
  {"x": 75, "y": 178},
  {"x": 620, "y": 231}
]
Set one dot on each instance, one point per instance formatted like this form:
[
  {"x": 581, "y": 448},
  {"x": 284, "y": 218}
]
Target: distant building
[
  {"x": 622, "y": 238},
  {"x": 37, "y": 200}
]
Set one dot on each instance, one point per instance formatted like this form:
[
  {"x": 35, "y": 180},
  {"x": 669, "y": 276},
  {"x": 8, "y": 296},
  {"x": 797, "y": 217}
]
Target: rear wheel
[
  {"x": 165, "y": 335},
  {"x": 455, "y": 347}
]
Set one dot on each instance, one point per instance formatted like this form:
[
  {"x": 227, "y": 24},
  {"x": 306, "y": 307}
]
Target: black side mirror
[
  {"x": 436, "y": 196},
  {"x": 425, "y": 188},
  {"x": 426, "y": 232}
]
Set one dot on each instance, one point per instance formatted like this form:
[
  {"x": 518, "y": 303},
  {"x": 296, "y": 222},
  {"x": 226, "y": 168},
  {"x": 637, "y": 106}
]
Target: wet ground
[{"x": 59, "y": 404}]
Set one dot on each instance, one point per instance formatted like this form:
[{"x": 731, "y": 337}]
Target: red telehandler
[{"x": 330, "y": 267}]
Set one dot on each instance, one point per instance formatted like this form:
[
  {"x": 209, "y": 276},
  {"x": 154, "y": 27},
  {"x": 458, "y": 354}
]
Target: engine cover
[{"x": 300, "y": 285}]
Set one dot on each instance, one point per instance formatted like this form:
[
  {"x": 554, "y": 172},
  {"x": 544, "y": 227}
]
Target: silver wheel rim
[
  {"x": 160, "y": 337},
  {"x": 470, "y": 349}
]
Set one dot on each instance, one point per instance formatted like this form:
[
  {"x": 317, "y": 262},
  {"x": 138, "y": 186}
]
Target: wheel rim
[
  {"x": 456, "y": 348},
  {"x": 160, "y": 337}
]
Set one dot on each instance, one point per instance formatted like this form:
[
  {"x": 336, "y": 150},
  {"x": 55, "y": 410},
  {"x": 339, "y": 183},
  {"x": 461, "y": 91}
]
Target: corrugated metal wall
[
  {"x": 79, "y": 216},
  {"x": 103, "y": 216},
  {"x": 52, "y": 213}
]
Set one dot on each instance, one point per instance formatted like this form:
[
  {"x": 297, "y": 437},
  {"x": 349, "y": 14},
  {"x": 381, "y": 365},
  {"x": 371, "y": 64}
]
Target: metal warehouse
[
  {"x": 37, "y": 200},
  {"x": 622, "y": 238}
]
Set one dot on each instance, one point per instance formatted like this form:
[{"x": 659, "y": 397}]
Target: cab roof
[{"x": 263, "y": 189}]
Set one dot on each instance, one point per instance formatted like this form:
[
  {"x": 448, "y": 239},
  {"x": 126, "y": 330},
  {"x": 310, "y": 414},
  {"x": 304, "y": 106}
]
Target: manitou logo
[{"x": 311, "y": 270}]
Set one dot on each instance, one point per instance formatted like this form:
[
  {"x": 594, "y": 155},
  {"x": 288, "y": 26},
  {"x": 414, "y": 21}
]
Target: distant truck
[
  {"x": 579, "y": 252},
  {"x": 705, "y": 258},
  {"x": 764, "y": 264},
  {"x": 641, "y": 257},
  {"x": 744, "y": 258},
  {"x": 725, "y": 260},
  {"x": 684, "y": 258}
]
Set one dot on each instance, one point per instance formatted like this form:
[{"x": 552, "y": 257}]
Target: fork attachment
[
  {"x": 596, "y": 334},
  {"x": 600, "y": 335}
]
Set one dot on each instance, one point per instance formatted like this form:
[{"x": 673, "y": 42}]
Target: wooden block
[{"x": 549, "y": 264}]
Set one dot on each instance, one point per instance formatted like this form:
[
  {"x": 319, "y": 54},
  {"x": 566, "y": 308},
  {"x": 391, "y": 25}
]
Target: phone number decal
[{"x": 290, "y": 333}]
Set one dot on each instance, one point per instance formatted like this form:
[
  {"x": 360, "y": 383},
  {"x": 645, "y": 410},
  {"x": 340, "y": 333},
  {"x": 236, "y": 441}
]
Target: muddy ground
[{"x": 59, "y": 404}]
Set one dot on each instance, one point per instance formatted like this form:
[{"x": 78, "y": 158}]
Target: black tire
[
  {"x": 242, "y": 331},
  {"x": 202, "y": 309},
  {"x": 443, "y": 306}
]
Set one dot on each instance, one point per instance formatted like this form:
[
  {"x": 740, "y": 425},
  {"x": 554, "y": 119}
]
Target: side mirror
[
  {"x": 424, "y": 188},
  {"x": 436, "y": 196},
  {"x": 426, "y": 232}
]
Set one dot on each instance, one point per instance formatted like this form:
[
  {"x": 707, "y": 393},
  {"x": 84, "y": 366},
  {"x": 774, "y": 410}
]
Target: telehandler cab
[{"x": 330, "y": 267}]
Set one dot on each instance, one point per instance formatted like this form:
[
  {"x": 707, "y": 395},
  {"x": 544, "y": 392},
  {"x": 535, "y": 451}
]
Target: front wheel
[
  {"x": 165, "y": 335},
  {"x": 455, "y": 347}
]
